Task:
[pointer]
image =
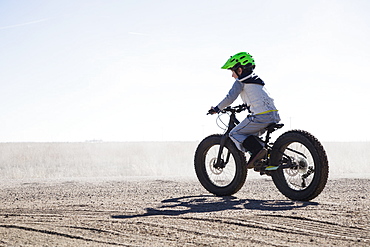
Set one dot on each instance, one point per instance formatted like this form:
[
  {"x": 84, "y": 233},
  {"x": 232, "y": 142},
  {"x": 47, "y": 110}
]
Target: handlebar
[{"x": 235, "y": 109}]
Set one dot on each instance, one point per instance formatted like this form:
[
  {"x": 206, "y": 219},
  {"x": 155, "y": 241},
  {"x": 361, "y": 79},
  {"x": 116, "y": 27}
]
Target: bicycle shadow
[{"x": 210, "y": 203}]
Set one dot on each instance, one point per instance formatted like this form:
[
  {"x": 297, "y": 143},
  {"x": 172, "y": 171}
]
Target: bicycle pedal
[{"x": 258, "y": 165}]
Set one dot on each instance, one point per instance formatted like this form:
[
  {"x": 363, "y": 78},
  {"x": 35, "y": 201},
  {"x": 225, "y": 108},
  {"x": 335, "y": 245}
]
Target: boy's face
[{"x": 239, "y": 70}]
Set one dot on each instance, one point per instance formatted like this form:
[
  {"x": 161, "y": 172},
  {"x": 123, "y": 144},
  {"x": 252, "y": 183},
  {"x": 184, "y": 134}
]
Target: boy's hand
[{"x": 213, "y": 110}]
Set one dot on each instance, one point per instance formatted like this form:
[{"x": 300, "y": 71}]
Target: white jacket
[{"x": 252, "y": 92}]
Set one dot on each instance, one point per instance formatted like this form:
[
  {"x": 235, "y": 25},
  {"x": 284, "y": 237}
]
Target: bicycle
[{"x": 300, "y": 162}]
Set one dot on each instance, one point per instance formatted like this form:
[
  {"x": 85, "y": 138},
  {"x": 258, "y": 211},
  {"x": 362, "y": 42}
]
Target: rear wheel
[
  {"x": 307, "y": 163},
  {"x": 225, "y": 179}
]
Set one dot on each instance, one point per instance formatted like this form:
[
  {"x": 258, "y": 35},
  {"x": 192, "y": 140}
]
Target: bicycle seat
[{"x": 274, "y": 126}]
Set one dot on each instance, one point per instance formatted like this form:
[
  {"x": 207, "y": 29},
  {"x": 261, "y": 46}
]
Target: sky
[{"x": 141, "y": 70}]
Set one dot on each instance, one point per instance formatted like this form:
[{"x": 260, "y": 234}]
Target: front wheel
[
  {"x": 225, "y": 179},
  {"x": 304, "y": 168}
]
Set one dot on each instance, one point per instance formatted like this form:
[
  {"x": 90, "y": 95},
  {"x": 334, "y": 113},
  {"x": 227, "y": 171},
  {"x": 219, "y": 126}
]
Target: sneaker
[
  {"x": 271, "y": 168},
  {"x": 261, "y": 154}
]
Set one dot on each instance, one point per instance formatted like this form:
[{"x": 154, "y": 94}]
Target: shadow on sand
[{"x": 210, "y": 203}]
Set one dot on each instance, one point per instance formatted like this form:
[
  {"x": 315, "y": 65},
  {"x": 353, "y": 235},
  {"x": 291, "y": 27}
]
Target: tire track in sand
[
  {"x": 320, "y": 226},
  {"x": 60, "y": 234},
  {"x": 194, "y": 234},
  {"x": 296, "y": 225}
]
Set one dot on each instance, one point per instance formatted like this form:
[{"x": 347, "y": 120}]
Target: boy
[{"x": 260, "y": 106}]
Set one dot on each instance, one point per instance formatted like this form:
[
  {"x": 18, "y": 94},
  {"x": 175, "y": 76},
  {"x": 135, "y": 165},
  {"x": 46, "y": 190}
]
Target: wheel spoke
[
  {"x": 220, "y": 176},
  {"x": 299, "y": 176}
]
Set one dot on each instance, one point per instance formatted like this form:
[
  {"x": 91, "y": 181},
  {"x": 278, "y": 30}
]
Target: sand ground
[{"x": 179, "y": 212}]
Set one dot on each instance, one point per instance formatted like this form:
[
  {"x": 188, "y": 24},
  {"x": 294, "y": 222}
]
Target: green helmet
[{"x": 240, "y": 59}]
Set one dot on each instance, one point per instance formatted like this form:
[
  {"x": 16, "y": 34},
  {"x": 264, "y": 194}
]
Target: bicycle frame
[{"x": 233, "y": 121}]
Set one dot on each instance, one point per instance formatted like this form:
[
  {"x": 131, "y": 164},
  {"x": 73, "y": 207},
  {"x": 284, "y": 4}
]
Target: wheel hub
[
  {"x": 214, "y": 169},
  {"x": 302, "y": 165}
]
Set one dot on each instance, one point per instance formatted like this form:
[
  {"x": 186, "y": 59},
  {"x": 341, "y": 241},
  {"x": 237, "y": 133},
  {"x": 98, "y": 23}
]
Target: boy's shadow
[{"x": 210, "y": 203}]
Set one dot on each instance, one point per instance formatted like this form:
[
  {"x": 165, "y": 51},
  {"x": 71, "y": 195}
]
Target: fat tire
[
  {"x": 201, "y": 172},
  {"x": 320, "y": 159}
]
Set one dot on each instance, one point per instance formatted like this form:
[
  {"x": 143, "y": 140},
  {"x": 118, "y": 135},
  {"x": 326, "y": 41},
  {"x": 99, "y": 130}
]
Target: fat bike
[{"x": 300, "y": 161}]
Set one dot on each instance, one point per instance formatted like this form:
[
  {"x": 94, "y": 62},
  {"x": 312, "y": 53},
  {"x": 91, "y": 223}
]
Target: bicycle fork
[{"x": 220, "y": 163}]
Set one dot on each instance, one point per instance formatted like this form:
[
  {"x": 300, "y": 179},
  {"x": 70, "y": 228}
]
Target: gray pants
[{"x": 252, "y": 125}]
